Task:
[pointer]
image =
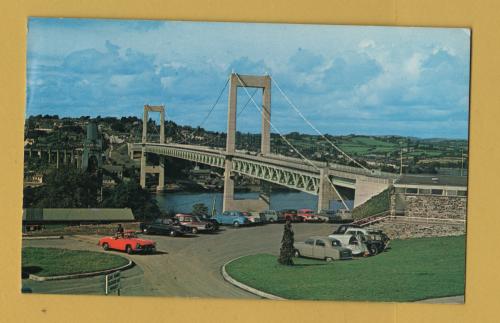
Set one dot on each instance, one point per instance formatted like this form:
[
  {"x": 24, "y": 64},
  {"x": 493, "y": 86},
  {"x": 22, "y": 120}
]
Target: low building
[
  {"x": 436, "y": 196},
  {"x": 33, "y": 216}
]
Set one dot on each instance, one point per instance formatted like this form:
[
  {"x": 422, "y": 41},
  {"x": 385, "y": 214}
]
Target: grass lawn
[
  {"x": 412, "y": 270},
  {"x": 53, "y": 262}
]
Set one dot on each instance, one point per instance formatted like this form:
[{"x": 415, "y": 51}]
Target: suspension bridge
[{"x": 303, "y": 174}]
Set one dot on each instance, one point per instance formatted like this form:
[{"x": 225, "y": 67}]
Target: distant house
[{"x": 32, "y": 216}]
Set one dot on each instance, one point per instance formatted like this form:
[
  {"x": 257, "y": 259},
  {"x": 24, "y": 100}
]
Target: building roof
[
  {"x": 77, "y": 215},
  {"x": 432, "y": 180}
]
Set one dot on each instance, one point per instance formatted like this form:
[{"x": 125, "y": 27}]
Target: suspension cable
[
  {"x": 239, "y": 113},
  {"x": 209, "y": 112},
  {"x": 289, "y": 143},
  {"x": 313, "y": 127}
]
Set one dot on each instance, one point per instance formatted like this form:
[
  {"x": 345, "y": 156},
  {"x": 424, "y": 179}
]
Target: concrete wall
[
  {"x": 431, "y": 206},
  {"x": 366, "y": 189}
]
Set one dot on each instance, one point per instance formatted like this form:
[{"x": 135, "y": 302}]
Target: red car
[
  {"x": 194, "y": 223},
  {"x": 308, "y": 215},
  {"x": 129, "y": 243}
]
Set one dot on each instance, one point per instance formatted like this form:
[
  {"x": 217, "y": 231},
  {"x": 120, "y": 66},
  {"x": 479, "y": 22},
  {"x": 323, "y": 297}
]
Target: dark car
[
  {"x": 207, "y": 218},
  {"x": 289, "y": 214},
  {"x": 165, "y": 226}
]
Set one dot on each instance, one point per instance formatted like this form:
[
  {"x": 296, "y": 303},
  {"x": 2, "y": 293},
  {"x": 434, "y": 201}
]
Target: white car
[
  {"x": 351, "y": 242},
  {"x": 254, "y": 217}
]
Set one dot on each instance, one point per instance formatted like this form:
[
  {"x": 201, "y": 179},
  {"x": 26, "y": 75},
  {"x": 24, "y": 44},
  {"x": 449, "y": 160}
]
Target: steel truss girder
[
  {"x": 195, "y": 156},
  {"x": 290, "y": 178}
]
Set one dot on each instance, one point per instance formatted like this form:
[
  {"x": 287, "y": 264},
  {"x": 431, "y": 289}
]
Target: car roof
[{"x": 319, "y": 237}]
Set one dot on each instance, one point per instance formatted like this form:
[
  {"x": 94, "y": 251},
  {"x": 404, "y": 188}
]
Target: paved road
[{"x": 184, "y": 266}]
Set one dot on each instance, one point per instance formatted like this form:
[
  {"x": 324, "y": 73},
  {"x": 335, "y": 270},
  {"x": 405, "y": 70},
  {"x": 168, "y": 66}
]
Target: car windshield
[
  {"x": 130, "y": 235},
  {"x": 196, "y": 218}
]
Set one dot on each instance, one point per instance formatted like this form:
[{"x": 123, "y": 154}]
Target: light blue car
[{"x": 234, "y": 218}]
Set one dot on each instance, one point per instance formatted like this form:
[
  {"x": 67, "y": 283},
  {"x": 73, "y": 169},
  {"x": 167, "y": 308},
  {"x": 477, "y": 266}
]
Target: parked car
[
  {"x": 375, "y": 240},
  {"x": 308, "y": 215},
  {"x": 343, "y": 228},
  {"x": 289, "y": 214},
  {"x": 344, "y": 215},
  {"x": 172, "y": 227},
  {"x": 357, "y": 246},
  {"x": 234, "y": 218},
  {"x": 207, "y": 218},
  {"x": 194, "y": 223},
  {"x": 270, "y": 216},
  {"x": 255, "y": 218},
  {"x": 129, "y": 243},
  {"x": 326, "y": 215},
  {"x": 322, "y": 248}
]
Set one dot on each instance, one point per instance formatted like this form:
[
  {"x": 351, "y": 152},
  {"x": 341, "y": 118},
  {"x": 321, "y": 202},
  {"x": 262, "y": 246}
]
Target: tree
[
  {"x": 65, "y": 188},
  {"x": 131, "y": 195},
  {"x": 286, "y": 251},
  {"x": 200, "y": 209}
]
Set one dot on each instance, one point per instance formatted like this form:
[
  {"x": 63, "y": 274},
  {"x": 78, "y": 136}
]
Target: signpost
[{"x": 112, "y": 283}]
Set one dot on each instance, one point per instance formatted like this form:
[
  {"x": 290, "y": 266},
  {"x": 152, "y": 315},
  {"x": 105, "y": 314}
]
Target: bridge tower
[
  {"x": 155, "y": 169},
  {"x": 253, "y": 81}
]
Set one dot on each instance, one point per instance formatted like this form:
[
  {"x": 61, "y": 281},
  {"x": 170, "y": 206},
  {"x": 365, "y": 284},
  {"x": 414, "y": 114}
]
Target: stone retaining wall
[
  {"x": 408, "y": 230},
  {"x": 431, "y": 206}
]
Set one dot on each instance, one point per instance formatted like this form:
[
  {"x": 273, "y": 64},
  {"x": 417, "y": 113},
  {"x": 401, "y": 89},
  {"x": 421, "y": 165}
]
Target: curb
[
  {"x": 81, "y": 275},
  {"x": 247, "y": 288},
  {"x": 42, "y": 237}
]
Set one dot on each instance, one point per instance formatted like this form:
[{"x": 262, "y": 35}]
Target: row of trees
[{"x": 73, "y": 188}]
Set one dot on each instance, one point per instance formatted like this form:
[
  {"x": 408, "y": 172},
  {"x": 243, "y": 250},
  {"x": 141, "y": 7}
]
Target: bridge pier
[
  {"x": 160, "y": 168},
  {"x": 326, "y": 192},
  {"x": 263, "y": 82}
]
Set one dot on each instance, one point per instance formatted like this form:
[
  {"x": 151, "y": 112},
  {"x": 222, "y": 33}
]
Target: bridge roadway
[{"x": 287, "y": 171}]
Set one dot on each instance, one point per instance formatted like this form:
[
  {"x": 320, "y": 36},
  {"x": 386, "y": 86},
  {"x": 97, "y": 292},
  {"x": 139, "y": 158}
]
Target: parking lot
[{"x": 182, "y": 266}]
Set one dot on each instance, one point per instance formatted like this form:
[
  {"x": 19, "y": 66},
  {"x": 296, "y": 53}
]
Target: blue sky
[{"x": 344, "y": 79}]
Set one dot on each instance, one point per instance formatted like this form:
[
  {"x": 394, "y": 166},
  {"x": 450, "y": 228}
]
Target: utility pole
[
  {"x": 401, "y": 162},
  {"x": 462, "y": 168}
]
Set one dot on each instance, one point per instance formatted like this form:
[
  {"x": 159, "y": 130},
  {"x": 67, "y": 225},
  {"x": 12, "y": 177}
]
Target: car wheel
[
  {"x": 128, "y": 249},
  {"x": 105, "y": 246},
  {"x": 236, "y": 224},
  {"x": 296, "y": 253},
  {"x": 373, "y": 250},
  {"x": 172, "y": 233},
  {"x": 194, "y": 230},
  {"x": 329, "y": 259}
]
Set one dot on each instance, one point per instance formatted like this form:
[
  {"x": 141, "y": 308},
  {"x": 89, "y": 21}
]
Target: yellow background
[{"x": 482, "y": 286}]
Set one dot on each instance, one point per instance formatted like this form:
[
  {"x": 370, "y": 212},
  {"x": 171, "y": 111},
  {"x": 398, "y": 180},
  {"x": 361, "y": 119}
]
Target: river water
[{"x": 182, "y": 202}]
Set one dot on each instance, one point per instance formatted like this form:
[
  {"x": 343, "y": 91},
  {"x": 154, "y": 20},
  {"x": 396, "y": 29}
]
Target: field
[
  {"x": 53, "y": 262},
  {"x": 412, "y": 270}
]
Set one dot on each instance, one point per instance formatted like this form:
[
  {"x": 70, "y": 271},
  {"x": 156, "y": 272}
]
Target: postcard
[{"x": 245, "y": 160}]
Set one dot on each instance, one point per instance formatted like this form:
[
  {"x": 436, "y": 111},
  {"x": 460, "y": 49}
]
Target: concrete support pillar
[
  {"x": 228, "y": 196},
  {"x": 57, "y": 158},
  {"x": 326, "y": 192},
  {"x": 265, "y": 145},
  {"x": 145, "y": 118},
  {"x": 161, "y": 175},
  {"x": 65, "y": 158},
  {"x": 231, "y": 114},
  {"x": 50, "y": 157},
  {"x": 161, "y": 166},
  {"x": 29, "y": 152},
  {"x": 79, "y": 161},
  {"x": 235, "y": 81}
]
